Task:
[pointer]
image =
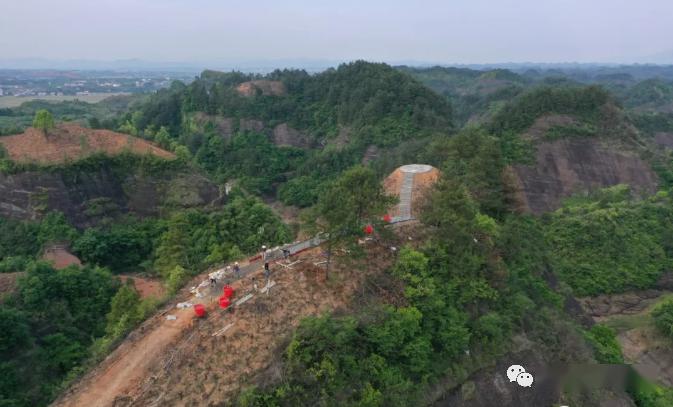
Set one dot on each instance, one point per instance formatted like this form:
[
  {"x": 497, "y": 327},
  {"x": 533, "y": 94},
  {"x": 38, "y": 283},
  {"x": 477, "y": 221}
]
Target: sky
[{"x": 446, "y": 32}]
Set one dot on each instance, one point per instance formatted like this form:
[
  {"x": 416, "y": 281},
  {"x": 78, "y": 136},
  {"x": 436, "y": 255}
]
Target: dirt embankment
[
  {"x": 189, "y": 361},
  {"x": 60, "y": 256},
  {"x": 147, "y": 287},
  {"x": 70, "y": 142}
]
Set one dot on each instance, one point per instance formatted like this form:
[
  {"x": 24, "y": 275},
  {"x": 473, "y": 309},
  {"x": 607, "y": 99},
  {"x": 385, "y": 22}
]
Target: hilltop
[{"x": 69, "y": 142}]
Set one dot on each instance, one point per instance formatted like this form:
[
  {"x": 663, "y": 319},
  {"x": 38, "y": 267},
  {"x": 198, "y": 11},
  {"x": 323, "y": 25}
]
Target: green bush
[
  {"x": 663, "y": 318},
  {"x": 604, "y": 342}
]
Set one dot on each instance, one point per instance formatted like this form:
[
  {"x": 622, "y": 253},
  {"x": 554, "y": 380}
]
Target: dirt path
[
  {"x": 127, "y": 366},
  {"x": 156, "y": 362},
  {"x": 183, "y": 361}
]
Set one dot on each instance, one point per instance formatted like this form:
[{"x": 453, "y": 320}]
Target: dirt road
[{"x": 127, "y": 367}]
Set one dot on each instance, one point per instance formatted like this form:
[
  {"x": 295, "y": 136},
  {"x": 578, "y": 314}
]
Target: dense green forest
[{"x": 373, "y": 103}]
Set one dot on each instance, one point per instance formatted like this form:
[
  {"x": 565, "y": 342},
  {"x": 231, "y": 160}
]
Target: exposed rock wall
[
  {"x": 261, "y": 87},
  {"x": 284, "y": 135},
  {"x": 568, "y": 166},
  {"x": 664, "y": 140},
  {"x": 281, "y": 135},
  {"x": 90, "y": 196},
  {"x": 251, "y": 125}
]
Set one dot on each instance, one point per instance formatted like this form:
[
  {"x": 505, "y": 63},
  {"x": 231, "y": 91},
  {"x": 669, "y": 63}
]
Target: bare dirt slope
[
  {"x": 60, "y": 256},
  {"x": 69, "y": 141},
  {"x": 147, "y": 287},
  {"x": 191, "y": 361},
  {"x": 265, "y": 87}
]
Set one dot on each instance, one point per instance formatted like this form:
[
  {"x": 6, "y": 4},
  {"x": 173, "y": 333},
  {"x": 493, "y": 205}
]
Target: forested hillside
[
  {"x": 555, "y": 193},
  {"x": 338, "y": 115}
]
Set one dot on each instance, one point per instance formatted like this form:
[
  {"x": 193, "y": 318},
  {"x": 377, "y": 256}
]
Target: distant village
[{"x": 24, "y": 83}]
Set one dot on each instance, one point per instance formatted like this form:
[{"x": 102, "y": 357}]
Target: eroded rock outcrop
[
  {"x": 251, "y": 125},
  {"x": 664, "y": 140},
  {"x": 89, "y": 196},
  {"x": 284, "y": 135},
  {"x": 569, "y": 166},
  {"x": 261, "y": 87}
]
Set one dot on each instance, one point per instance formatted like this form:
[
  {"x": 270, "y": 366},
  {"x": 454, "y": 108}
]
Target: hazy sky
[{"x": 449, "y": 31}]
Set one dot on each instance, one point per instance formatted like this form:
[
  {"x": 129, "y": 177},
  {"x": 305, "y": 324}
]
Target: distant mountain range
[
  {"x": 310, "y": 65},
  {"x": 260, "y": 65}
]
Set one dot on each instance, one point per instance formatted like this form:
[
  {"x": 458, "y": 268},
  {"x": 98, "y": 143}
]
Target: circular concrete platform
[{"x": 415, "y": 168}]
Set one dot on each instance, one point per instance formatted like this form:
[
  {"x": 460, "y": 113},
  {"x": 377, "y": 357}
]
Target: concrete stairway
[{"x": 405, "y": 198}]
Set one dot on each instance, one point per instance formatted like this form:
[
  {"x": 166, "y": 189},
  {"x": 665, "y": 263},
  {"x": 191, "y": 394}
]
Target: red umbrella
[
  {"x": 228, "y": 291},
  {"x": 200, "y": 310},
  {"x": 369, "y": 229},
  {"x": 224, "y": 302},
  {"x": 387, "y": 218}
]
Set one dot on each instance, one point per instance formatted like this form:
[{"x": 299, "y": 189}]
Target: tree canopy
[{"x": 43, "y": 120}]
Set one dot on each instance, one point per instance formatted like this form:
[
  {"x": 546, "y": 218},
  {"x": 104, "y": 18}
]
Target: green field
[{"x": 14, "y": 101}]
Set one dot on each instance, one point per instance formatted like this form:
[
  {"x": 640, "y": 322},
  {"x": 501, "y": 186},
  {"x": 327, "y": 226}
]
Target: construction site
[{"x": 227, "y": 329}]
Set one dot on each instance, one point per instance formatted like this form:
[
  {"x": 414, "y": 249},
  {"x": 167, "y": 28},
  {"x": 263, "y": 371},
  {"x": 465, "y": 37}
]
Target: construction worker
[
  {"x": 286, "y": 255},
  {"x": 264, "y": 252},
  {"x": 254, "y": 284},
  {"x": 267, "y": 275},
  {"x": 237, "y": 270}
]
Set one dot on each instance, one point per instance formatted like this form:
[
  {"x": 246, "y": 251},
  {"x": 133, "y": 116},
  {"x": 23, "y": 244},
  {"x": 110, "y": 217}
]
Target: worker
[
  {"x": 264, "y": 252},
  {"x": 237, "y": 270},
  {"x": 286, "y": 255},
  {"x": 267, "y": 275},
  {"x": 254, "y": 284}
]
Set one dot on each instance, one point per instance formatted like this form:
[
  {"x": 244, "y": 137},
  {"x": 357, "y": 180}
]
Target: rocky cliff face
[
  {"x": 577, "y": 164},
  {"x": 570, "y": 166},
  {"x": 281, "y": 135},
  {"x": 664, "y": 140},
  {"x": 90, "y": 196}
]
